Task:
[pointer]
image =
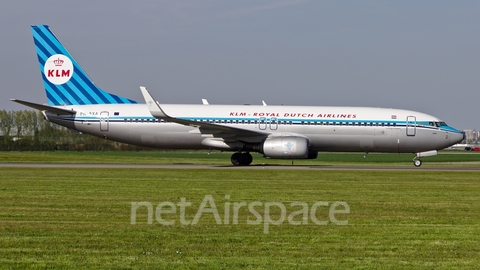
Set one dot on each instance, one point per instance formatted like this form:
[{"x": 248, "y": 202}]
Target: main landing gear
[{"x": 241, "y": 159}]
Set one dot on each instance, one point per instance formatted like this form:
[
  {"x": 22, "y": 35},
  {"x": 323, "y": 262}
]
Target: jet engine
[{"x": 289, "y": 147}]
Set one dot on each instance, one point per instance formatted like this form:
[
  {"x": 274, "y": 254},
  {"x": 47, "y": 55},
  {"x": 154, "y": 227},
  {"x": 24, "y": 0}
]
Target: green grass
[
  {"x": 80, "y": 218},
  {"x": 223, "y": 158}
]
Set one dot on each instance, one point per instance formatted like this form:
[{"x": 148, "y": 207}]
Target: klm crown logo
[{"x": 58, "y": 62}]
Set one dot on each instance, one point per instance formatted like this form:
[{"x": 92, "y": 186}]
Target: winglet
[{"x": 153, "y": 106}]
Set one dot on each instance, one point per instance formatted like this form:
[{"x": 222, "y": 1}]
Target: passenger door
[{"x": 411, "y": 125}]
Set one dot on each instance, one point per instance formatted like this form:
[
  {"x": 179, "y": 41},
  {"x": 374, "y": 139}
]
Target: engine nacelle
[{"x": 291, "y": 147}]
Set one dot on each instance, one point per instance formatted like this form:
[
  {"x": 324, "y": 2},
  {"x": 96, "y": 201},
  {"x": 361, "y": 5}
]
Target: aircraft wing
[
  {"x": 41, "y": 107},
  {"x": 205, "y": 128}
]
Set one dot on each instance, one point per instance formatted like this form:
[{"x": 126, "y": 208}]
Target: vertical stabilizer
[{"x": 65, "y": 81}]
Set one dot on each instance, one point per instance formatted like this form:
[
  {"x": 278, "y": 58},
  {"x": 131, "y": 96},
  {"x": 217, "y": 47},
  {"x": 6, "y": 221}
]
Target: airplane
[{"x": 279, "y": 132}]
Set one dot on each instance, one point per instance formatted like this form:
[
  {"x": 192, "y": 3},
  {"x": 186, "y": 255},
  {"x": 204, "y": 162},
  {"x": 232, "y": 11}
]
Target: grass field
[{"x": 81, "y": 218}]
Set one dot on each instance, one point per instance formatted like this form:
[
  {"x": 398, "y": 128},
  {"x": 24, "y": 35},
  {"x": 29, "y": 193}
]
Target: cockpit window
[{"x": 438, "y": 124}]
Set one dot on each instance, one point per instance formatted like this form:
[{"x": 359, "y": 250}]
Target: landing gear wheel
[
  {"x": 417, "y": 162},
  {"x": 246, "y": 159},
  {"x": 236, "y": 159},
  {"x": 241, "y": 159}
]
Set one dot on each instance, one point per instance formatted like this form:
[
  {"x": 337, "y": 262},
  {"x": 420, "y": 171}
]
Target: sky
[{"x": 416, "y": 55}]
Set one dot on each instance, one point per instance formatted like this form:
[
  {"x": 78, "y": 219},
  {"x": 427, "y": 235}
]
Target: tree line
[{"x": 27, "y": 130}]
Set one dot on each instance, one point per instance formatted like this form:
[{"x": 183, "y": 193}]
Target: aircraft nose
[{"x": 458, "y": 137}]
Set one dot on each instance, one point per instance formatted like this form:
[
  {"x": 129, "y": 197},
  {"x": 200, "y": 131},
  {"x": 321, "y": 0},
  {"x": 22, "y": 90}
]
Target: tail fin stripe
[
  {"x": 58, "y": 95},
  {"x": 63, "y": 93},
  {"x": 64, "y": 96},
  {"x": 83, "y": 97},
  {"x": 89, "y": 96},
  {"x": 48, "y": 48},
  {"x": 53, "y": 97},
  {"x": 46, "y": 43},
  {"x": 74, "y": 78},
  {"x": 51, "y": 100},
  {"x": 78, "y": 88},
  {"x": 41, "y": 52},
  {"x": 72, "y": 97},
  {"x": 77, "y": 77},
  {"x": 80, "y": 81},
  {"x": 85, "y": 94}
]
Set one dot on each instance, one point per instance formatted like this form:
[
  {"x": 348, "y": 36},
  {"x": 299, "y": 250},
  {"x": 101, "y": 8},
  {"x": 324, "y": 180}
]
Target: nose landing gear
[
  {"x": 241, "y": 159},
  {"x": 417, "y": 162}
]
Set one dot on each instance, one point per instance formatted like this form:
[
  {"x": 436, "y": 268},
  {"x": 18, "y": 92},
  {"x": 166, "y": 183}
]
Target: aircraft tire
[
  {"x": 417, "y": 162},
  {"x": 246, "y": 159},
  {"x": 241, "y": 159},
  {"x": 236, "y": 159}
]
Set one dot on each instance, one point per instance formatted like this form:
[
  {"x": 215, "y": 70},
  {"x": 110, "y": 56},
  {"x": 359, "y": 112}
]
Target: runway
[{"x": 450, "y": 167}]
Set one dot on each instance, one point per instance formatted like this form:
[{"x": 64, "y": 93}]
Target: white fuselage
[{"x": 349, "y": 129}]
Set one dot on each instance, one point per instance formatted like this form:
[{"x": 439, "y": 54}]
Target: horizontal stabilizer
[{"x": 42, "y": 107}]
